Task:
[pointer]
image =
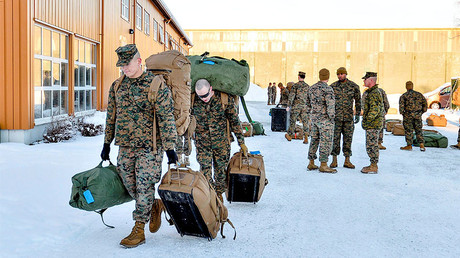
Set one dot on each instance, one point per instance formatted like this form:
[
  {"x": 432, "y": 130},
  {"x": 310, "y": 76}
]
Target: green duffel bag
[
  {"x": 98, "y": 189},
  {"x": 432, "y": 139},
  {"x": 257, "y": 128},
  {"x": 229, "y": 76}
]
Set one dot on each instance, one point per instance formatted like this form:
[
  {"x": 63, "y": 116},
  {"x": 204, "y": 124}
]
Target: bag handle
[{"x": 102, "y": 161}]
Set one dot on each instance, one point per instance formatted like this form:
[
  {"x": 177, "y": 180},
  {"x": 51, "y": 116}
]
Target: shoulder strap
[
  {"x": 152, "y": 96},
  {"x": 224, "y": 97},
  {"x": 117, "y": 85}
]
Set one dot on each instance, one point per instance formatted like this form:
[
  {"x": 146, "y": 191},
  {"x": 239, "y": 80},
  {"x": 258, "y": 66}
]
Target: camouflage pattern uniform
[
  {"x": 130, "y": 122},
  {"x": 412, "y": 104},
  {"x": 320, "y": 104},
  {"x": 284, "y": 97},
  {"x": 386, "y": 106},
  {"x": 372, "y": 120},
  {"x": 296, "y": 102},
  {"x": 211, "y": 139},
  {"x": 274, "y": 90},
  {"x": 345, "y": 92},
  {"x": 269, "y": 94}
]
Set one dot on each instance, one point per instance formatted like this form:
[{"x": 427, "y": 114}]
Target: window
[
  {"x": 138, "y": 16},
  {"x": 146, "y": 22},
  {"x": 50, "y": 73},
  {"x": 162, "y": 35},
  {"x": 155, "y": 30},
  {"x": 167, "y": 40},
  {"x": 85, "y": 76},
  {"x": 125, "y": 9}
]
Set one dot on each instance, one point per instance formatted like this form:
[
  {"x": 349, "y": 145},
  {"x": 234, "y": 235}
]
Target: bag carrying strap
[{"x": 152, "y": 96}]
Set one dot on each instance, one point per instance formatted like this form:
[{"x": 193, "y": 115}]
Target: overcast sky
[{"x": 294, "y": 14}]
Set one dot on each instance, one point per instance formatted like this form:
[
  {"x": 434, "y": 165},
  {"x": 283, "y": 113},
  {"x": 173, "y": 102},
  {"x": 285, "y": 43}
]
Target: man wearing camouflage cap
[
  {"x": 320, "y": 104},
  {"x": 143, "y": 127},
  {"x": 412, "y": 105},
  {"x": 372, "y": 120},
  {"x": 345, "y": 92},
  {"x": 296, "y": 105}
]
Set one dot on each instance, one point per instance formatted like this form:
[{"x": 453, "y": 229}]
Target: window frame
[
  {"x": 93, "y": 80},
  {"x": 125, "y": 6},
  {"x": 146, "y": 23},
  {"x": 155, "y": 30},
  {"x": 139, "y": 14},
  {"x": 161, "y": 34}
]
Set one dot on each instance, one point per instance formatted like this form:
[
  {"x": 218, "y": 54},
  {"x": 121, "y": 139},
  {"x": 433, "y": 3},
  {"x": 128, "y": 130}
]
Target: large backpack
[
  {"x": 432, "y": 139},
  {"x": 175, "y": 69},
  {"x": 192, "y": 203}
]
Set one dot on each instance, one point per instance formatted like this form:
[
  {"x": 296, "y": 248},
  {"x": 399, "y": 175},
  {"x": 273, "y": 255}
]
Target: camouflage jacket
[
  {"x": 372, "y": 109},
  {"x": 274, "y": 91},
  {"x": 345, "y": 92},
  {"x": 130, "y": 114},
  {"x": 320, "y": 102},
  {"x": 211, "y": 119},
  {"x": 298, "y": 95},
  {"x": 284, "y": 96},
  {"x": 386, "y": 104},
  {"x": 412, "y": 104}
]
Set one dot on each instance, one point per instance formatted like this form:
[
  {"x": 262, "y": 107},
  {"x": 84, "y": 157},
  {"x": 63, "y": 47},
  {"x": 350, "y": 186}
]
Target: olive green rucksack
[
  {"x": 432, "y": 139},
  {"x": 98, "y": 189}
]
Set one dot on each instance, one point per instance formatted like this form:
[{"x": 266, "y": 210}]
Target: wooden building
[
  {"x": 57, "y": 57},
  {"x": 428, "y": 57}
]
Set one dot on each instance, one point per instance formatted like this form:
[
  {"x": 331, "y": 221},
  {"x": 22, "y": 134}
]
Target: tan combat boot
[
  {"x": 381, "y": 147},
  {"x": 136, "y": 237},
  {"x": 305, "y": 140},
  {"x": 334, "y": 162},
  {"x": 288, "y": 137},
  {"x": 422, "y": 147},
  {"x": 347, "y": 163},
  {"x": 325, "y": 169},
  {"x": 371, "y": 169},
  {"x": 155, "y": 216},
  {"x": 408, "y": 147},
  {"x": 312, "y": 165},
  {"x": 456, "y": 146}
]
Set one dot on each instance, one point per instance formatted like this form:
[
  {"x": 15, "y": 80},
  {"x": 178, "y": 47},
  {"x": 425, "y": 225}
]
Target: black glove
[
  {"x": 105, "y": 152},
  {"x": 172, "y": 156}
]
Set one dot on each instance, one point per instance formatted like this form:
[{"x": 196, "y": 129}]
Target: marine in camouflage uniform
[
  {"x": 211, "y": 139},
  {"x": 130, "y": 121},
  {"x": 372, "y": 120},
  {"x": 345, "y": 92},
  {"x": 412, "y": 104},
  {"x": 320, "y": 104},
  {"x": 297, "y": 109},
  {"x": 386, "y": 106},
  {"x": 274, "y": 93},
  {"x": 269, "y": 94},
  {"x": 284, "y": 96}
]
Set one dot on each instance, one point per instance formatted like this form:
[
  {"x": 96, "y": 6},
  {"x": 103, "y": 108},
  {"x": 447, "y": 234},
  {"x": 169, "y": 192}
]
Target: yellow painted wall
[{"x": 428, "y": 57}]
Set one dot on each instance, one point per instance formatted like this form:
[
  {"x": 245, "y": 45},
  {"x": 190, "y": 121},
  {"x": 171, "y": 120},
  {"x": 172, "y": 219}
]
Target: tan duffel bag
[
  {"x": 398, "y": 129},
  {"x": 247, "y": 129},
  {"x": 246, "y": 178},
  {"x": 192, "y": 203},
  {"x": 435, "y": 120},
  {"x": 390, "y": 123}
]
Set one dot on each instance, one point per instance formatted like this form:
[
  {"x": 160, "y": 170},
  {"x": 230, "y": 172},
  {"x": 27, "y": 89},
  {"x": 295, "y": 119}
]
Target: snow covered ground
[{"x": 410, "y": 209}]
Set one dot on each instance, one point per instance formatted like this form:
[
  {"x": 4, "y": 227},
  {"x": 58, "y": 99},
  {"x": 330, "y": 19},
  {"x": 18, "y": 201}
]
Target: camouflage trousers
[
  {"x": 269, "y": 97},
  {"x": 372, "y": 144},
  {"x": 411, "y": 125},
  {"x": 322, "y": 134},
  {"x": 303, "y": 117},
  {"x": 345, "y": 128},
  {"x": 140, "y": 169},
  {"x": 213, "y": 154},
  {"x": 381, "y": 131},
  {"x": 183, "y": 145}
]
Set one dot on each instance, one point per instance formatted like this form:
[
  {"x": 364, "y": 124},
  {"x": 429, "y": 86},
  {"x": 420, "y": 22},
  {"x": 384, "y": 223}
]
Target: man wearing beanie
[
  {"x": 412, "y": 105},
  {"x": 321, "y": 107},
  {"x": 345, "y": 92},
  {"x": 372, "y": 120},
  {"x": 296, "y": 105}
]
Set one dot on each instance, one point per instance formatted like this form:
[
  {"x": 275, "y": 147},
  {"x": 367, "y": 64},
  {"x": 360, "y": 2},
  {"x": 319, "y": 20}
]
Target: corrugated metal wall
[{"x": 428, "y": 57}]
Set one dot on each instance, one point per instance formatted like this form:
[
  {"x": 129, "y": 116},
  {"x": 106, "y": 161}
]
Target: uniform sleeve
[
  {"x": 357, "y": 98},
  {"x": 330, "y": 102},
  {"x": 231, "y": 114},
  {"x": 375, "y": 107},
  {"x": 111, "y": 116},
  {"x": 402, "y": 104},
  {"x": 165, "y": 117},
  {"x": 424, "y": 103},
  {"x": 308, "y": 101},
  {"x": 386, "y": 104},
  {"x": 292, "y": 95}
]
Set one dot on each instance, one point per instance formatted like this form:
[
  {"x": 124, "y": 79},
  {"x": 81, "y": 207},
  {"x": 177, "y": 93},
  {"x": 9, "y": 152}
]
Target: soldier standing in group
[
  {"x": 320, "y": 103},
  {"x": 345, "y": 91},
  {"x": 412, "y": 104},
  {"x": 372, "y": 120},
  {"x": 269, "y": 94},
  {"x": 386, "y": 106},
  {"x": 135, "y": 121},
  {"x": 211, "y": 137},
  {"x": 284, "y": 96},
  {"x": 274, "y": 90},
  {"x": 296, "y": 105}
]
